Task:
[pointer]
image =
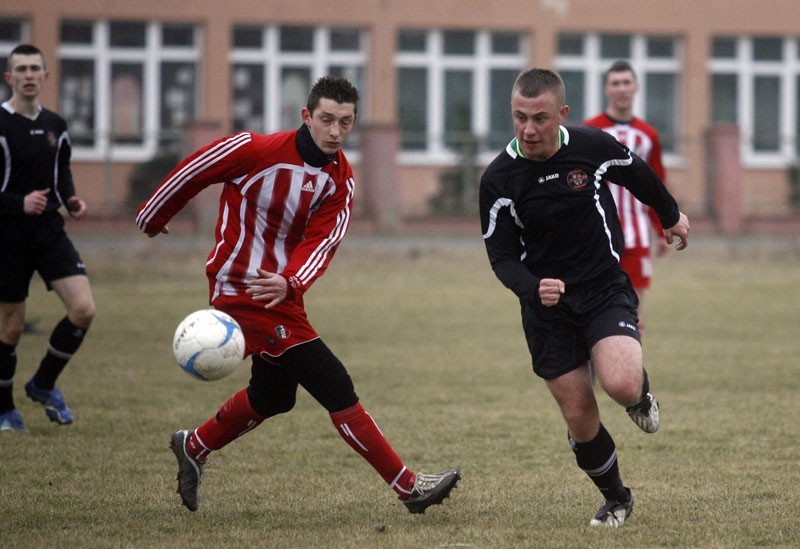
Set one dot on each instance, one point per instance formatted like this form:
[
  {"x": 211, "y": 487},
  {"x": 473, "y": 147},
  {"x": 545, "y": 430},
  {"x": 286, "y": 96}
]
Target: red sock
[
  {"x": 232, "y": 420},
  {"x": 359, "y": 430}
]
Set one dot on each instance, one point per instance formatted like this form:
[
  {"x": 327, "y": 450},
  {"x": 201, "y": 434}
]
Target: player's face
[
  {"x": 536, "y": 124},
  {"x": 26, "y": 75},
  {"x": 330, "y": 124},
  {"x": 620, "y": 88}
]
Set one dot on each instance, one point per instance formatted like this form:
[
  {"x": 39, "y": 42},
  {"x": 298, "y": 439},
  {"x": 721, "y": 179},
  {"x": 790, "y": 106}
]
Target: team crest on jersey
[
  {"x": 51, "y": 138},
  {"x": 577, "y": 179}
]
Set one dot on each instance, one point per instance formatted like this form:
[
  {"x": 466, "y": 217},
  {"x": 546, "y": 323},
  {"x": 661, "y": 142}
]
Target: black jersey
[
  {"x": 34, "y": 155},
  {"x": 556, "y": 218}
]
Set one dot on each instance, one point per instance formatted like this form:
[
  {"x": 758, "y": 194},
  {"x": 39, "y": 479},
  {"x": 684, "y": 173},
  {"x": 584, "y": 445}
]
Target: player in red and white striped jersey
[
  {"x": 285, "y": 206},
  {"x": 638, "y": 221}
]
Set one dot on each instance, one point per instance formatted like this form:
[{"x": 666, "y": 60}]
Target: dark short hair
[
  {"x": 332, "y": 87},
  {"x": 534, "y": 82},
  {"x": 619, "y": 66},
  {"x": 24, "y": 49}
]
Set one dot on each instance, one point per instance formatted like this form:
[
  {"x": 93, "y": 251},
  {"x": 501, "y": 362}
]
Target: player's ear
[
  {"x": 564, "y": 112},
  {"x": 306, "y": 115}
]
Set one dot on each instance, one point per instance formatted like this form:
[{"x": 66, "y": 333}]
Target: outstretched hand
[
  {"x": 680, "y": 230},
  {"x": 269, "y": 287}
]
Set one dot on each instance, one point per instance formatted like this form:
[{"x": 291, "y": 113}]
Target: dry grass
[{"x": 434, "y": 345}]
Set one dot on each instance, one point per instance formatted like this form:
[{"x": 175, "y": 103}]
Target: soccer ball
[{"x": 208, "y": 344}]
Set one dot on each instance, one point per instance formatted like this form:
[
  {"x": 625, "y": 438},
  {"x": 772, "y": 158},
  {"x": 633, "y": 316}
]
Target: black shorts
[
  {"x": 560, "y": 338},
  {"x": 34, "y": 244}
]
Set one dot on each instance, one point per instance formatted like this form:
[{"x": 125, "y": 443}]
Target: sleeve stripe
[
  {"x": 318, "y": 258},
  {"x": 192, "y": 168}
]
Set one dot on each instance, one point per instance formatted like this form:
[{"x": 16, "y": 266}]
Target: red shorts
[
  {"x": 637, "y": 263},
  {"x": 270, "y": 331}
]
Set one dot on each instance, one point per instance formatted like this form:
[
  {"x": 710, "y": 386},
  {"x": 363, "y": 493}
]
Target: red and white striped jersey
[
  {"x": 642, "y": 139},
  {"x": 276, "y": 211}
]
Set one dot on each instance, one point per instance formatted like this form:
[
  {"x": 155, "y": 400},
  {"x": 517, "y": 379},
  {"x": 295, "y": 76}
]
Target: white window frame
[
  {"x": 436, "y": 62},
  {"x": 746, "y": 69},
  {"x": 593, "y": 66},
  {"x": 318, "y": 61},
  {"x": 150, "y": 57}
]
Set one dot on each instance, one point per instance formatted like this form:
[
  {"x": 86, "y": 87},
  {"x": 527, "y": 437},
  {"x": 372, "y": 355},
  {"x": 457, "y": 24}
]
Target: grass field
[{"x": 435, "y": 348}]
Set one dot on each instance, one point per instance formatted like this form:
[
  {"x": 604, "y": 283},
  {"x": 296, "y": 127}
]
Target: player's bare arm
[
  {"x": 680, "y": 230},
  {"x": 550, "y": 290},
  {"x": 270, "y": 287}
]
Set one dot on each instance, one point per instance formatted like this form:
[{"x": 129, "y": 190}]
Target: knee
[
  {"x": 626, "y": 391},
  {"x": 82, "y": 314},
  {"x": 11, "y": 332}
]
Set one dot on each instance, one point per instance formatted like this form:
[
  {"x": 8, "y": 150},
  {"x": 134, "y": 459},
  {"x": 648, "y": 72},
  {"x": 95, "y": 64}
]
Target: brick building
[{"x": 135, "y": 79}]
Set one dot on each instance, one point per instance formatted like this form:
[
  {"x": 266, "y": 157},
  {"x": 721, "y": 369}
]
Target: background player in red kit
[
  {"x": 638, "y": 220},
  {"x": 284, "y": 209}
]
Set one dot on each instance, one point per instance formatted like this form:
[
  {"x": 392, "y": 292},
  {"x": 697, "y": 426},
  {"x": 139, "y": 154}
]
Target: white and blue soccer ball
[{"x": 208, "y": 344}]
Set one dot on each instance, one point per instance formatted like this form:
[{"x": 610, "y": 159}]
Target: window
[
  {"x": 127, "y": 87},
  {"x": 582, "y": 60},
  {"x": 12, "y": 32},
  {"x": 755, "y": 83},
  {"x": 273, "y": 68},
  {"x": 454, "y": 88}
]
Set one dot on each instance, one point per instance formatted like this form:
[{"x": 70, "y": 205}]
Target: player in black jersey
[
  {"x": 553, "y": 237},
  {"x": 35, "y": 181}
]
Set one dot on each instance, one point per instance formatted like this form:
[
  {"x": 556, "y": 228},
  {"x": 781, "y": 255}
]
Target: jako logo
[
  {"x": 548, "y": 178},
  {"x": 623, "y": 324}
]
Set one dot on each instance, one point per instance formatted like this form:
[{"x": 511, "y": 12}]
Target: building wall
[{"x": 765, "y": 190}]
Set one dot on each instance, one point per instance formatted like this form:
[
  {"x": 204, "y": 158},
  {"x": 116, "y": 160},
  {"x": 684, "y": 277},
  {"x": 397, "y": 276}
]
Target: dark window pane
[
  {"x": 614, "y": 46},
  {"x": 574, "y": 85},
  {"x": 77, "y": 100},
  {"x": 767, "y": 49},
  {"x": 247, "y": 37},
  {"x": 660, "y": 47},
  {"x": 127, "y": 34},
  {"x": 505, "y": 42},
  {"x": 570, "y": 44},
  {"x": 345, "y": 40},
  {"x": 411, "y": 40},
  {"x": 248, "y": 97},
  {"x": 177, "y": 35},
  {"x": 297, "y": 39},
  {"x": 458, "y": 108},
  {"x": 723, "y": 98},
  {"x": 723, "y": 47},
  {"x": 77, "y": 32},
  {"x": 127, "y": 121},
  {"x": 10, "y": 30},
  {"x": 661, "y": 94},
  {"x": 412, "y": 107},
  {"x": 178, "y": 96},
  {"x": 501, "y": 130},
  {"x": 766, "y": 116},
  {"x": 459, "y": 42}
]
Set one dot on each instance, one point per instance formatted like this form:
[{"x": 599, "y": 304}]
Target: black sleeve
[
  {"x": 502, "y": 238},
  {"x": 640, "y": 179},
  {"x": 65, "y": 185}
]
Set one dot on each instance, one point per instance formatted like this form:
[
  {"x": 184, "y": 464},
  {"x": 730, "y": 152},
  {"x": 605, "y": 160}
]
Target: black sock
[
  {"x": 64, "y": 341},
  {"x": 598, "y": 459},
  {"x": 8, "y": 367}
]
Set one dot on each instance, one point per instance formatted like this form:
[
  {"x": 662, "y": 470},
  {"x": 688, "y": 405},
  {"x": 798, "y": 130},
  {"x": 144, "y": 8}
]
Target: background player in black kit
[
  {"x": 553, "y": 237},
  {"x": 35, "y": 181}
]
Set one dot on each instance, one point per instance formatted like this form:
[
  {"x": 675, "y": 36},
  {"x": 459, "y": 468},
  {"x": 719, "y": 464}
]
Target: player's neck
[
  {"x": 618, "y": 115},
  {"x": 27, "y": 108}
]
